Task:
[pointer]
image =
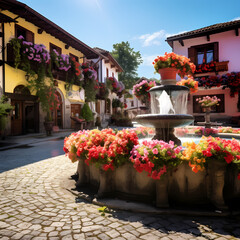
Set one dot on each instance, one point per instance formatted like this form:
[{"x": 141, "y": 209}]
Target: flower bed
[
  {"x": 117, "y": 164},
  {"x": 181, "y": 132}
]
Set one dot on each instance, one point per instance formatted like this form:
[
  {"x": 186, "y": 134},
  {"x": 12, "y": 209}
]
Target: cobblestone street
[{"x": 36, "y": 205}]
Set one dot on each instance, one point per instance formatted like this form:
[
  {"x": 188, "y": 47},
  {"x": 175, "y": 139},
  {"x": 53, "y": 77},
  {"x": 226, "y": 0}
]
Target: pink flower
[{"x": 155, "y": 151}]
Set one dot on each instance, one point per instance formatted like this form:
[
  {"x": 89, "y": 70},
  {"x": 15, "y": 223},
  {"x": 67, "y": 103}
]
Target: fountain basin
[
  {"x": 182, "y": 187},
  {"x": 164, "y": 121}
]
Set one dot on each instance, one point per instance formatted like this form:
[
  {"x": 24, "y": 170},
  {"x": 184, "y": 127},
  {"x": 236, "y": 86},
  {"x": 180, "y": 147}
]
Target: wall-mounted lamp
[
  {"x": 40, "y": 31},
  {"x": 27, "y": 77}
]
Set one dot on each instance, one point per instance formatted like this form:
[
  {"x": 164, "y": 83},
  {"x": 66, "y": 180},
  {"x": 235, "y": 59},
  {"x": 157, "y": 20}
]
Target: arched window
[{"x": 21, "y": 89}]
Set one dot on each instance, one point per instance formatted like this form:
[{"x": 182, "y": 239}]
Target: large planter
[
  {"x": 216, "y": 181},
  {"x": 48, "y": 125},
  {"x": 168, "y": 74},
  {"x": 162, "y": 192},
  {"x": 178, "y": 188}
]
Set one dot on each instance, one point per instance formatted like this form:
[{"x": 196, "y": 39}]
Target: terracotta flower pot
[
  {"x": 168, "y": 73},
  {"x": 48, "y": 127}
]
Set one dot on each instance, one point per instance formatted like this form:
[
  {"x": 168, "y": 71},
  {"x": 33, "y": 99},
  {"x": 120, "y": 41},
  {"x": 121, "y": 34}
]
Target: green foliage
[
  {"x": 129, "y": 61},
  {"x": 90, "y": 90},
  {"x": 5, "y": 109},
  {"x": 117, "y": 103},
  {"x": 16, "y": 43},
  {"x": 86, "y": 113},
  {"x": 103, "y": 210}
]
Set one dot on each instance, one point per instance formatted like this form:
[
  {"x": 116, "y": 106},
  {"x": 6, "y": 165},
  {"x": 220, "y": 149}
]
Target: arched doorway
[
  {"x": 25, "y": 116},
  {"x": 58, "y": 113}
]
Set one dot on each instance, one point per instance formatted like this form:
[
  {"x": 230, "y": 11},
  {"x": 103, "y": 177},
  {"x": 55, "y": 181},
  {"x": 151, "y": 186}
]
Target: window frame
[
  {"x": 29, "y": 35},
  {"x": 215, "y": 109},
  {"x": 192, "y": 51},
  {"x": 53, "y": 46}
]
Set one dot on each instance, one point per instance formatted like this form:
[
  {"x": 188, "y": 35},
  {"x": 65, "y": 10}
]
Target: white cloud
[
  {"x": 147, "y": 60},
  {"x": 235, "y": 19},
  {"x": 173, "y": 34},
  {"x": 153, "y": 39}
]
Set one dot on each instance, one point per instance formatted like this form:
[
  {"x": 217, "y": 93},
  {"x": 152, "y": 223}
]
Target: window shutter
[
  {"x": 192, "y": 54},
  {"x": 215, "y": 52},
  {"x": 30, "y": 36}
]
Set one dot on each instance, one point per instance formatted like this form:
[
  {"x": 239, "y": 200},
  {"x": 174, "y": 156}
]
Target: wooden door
[
  {"x": 57, "y": 114},
  {"x": 17, "y": 118},
  {"x": 75, "y": 112}
]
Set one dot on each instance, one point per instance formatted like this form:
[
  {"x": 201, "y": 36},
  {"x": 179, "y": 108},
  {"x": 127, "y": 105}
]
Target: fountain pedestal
[{"x": 166, "y": 134}]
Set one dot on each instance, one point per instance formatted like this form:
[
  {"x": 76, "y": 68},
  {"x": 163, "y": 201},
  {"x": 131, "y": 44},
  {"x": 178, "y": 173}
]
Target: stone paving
[{"x": 34, "y": 204}]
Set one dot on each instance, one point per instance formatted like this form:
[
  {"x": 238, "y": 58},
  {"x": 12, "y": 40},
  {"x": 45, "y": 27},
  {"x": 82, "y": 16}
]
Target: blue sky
[{"x": 144, "y": 23}]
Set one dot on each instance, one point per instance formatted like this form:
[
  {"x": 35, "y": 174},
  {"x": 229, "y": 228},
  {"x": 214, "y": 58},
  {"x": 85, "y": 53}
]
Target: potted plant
[
  {"x": 87, "y": 114},
  {"x": 141, "y": 89},
  {"x": 170, "y": 64},
  {"x": 206, "y": 104},
  {"x": 190, "y": 83},
  {"x": 115, "y": 86}
]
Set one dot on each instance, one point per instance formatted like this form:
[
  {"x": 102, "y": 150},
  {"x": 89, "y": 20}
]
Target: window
[
  {"x": 58, "y": 49},
  {"x": 107, "y": 73},
  {"x": 215, "y": 109},
  {"x": 20, "y": 31},
  {"x": 74, "y": 56},
  {"x": 132, "y": 103},
  {"x": 205, "y": 53},
  {"x": 113, "y": 74}
]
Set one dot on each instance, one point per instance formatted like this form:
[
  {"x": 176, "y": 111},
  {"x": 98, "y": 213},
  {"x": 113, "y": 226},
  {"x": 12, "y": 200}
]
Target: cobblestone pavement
[{"x": 34, "y": 204}]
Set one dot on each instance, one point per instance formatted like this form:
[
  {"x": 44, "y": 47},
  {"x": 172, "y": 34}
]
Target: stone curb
[{"x": 116, "y": 204}]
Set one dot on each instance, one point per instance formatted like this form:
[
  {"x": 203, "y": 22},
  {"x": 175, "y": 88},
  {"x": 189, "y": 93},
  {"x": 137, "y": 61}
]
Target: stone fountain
[{"x": 168, "y": 110}]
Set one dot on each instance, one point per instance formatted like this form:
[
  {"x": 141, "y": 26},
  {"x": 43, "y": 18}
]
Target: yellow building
[{"x": 18, "y": 19}]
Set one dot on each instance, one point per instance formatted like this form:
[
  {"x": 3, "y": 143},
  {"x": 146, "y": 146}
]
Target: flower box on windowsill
[{"x": 221, "y": 66}]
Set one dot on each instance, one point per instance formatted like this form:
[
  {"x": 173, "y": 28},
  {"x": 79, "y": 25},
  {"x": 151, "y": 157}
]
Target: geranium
[
  {"x": 106, "y": 149},
  {"x": 141, "y": 89},
  {"x": 207, "y": 101},
  {"x": 205, "y": 67},
  {"x": 211, "y": 148},
  {"x": 229, "y": 80},
  {"x": 180, "y": 132},
  {"x": 115, "y": 86},
  {"x": 89, "y": 72},
  {"x": 228, "y": 130},
  {"x": 173, "y": 60},
  {"x": 77, "y": 68},
  {"x": 190, "y": 83},
  {"x": 155, "y": 157},
  {"x": 205, "y": 131}
]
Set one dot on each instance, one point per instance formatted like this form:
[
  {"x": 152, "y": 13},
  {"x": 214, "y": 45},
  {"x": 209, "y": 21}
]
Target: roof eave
[
  {"x": 188, "y": 35},
  {"x": 45, "y": 24}
]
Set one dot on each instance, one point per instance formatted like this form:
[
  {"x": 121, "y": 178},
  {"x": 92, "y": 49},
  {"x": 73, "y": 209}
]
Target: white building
[{"x": 107, "y": 67}]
